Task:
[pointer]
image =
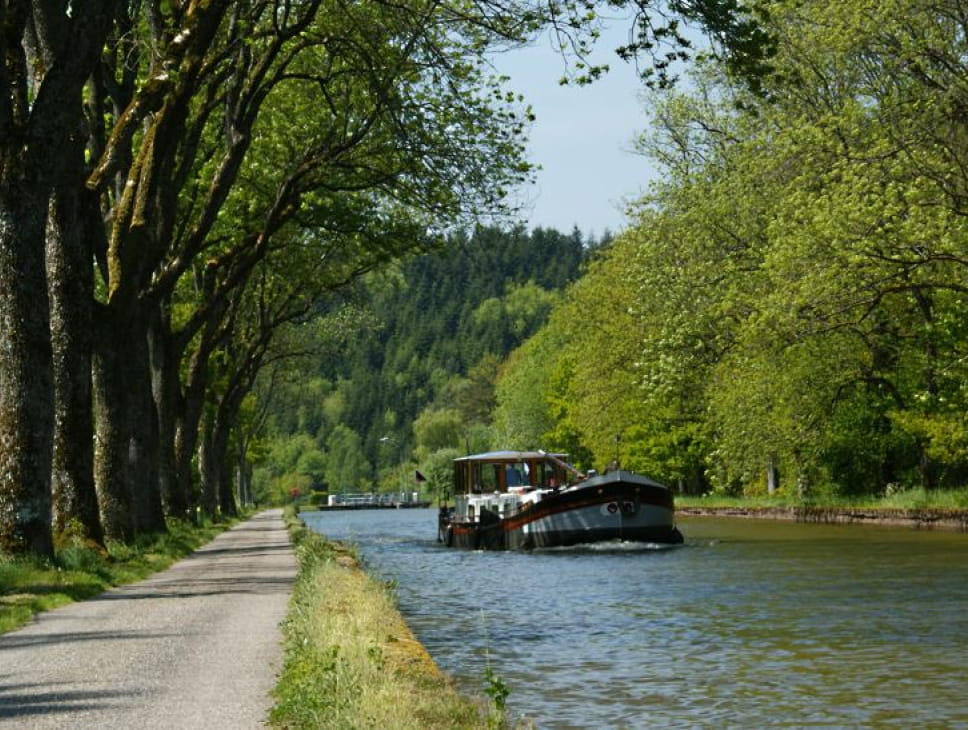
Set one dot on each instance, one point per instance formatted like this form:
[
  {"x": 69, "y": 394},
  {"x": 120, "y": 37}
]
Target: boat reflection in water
[{"x": 508, "y": 500}]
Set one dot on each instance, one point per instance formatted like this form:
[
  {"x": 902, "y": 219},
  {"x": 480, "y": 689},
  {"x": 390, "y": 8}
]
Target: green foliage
[
  {"x": 346, "y": 467},
  {"x": 438, "y": 468},
  {"x": 435, "y": 430},
  {"x": 291, "y": 463},
  {"x": 788, "y": 302},
  {"x": 497, "y": 689},
  {"x": 420, "y": 369},
  {"x": 825, "y": 258},
  {"x": 791, "y": 297},
  {"x": 522, "y": 414}
]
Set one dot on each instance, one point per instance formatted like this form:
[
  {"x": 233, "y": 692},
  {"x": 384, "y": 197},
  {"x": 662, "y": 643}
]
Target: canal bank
[
  {"x": 351, "y": 659},
  {"x": 919, "y": 519}
]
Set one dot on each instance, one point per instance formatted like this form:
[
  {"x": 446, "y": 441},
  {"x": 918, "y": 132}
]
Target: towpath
[{"x": 196, "y": 646}]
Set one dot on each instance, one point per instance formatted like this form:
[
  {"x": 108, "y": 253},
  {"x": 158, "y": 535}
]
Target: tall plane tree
[{"x": 48, "y": 54}]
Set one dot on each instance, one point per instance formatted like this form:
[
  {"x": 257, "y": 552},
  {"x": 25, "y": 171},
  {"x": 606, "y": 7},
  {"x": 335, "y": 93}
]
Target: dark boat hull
[{"x": 616, "y": 506}]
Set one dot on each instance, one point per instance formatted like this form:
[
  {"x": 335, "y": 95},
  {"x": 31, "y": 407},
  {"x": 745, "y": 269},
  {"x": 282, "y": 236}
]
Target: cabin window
[
  {"x": 461, "y": 485},
  {"x": 517, "y": 474},
  {"x": 490, "y": 482},
  {"x": 549, "y": 475}
]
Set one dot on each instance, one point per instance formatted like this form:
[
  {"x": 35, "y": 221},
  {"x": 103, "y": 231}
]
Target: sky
[{"x": 582, "y": 138}]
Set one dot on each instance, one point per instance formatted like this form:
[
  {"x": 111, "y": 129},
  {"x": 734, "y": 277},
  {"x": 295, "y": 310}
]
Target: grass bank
[
  {"x": 917, "y": 508},
  {"x": 81, "y": 569},
  {"x": 910, "y": 499},
  {"x": 350, "y": 659}
]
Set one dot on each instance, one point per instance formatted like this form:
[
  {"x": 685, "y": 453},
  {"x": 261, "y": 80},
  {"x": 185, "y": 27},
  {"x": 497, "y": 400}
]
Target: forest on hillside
[
  {"x": 413, "y": 378},
  {"x": 787, "y": 312}
]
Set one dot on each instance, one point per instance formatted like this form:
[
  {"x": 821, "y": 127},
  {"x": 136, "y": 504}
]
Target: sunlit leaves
[{"x": 793, "y": 289}]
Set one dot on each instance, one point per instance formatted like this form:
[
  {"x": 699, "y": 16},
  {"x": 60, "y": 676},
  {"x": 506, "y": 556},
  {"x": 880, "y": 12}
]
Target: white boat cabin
[{"x": 503, "y": 481}]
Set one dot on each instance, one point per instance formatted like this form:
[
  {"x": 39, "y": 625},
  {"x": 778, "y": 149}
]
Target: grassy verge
[
  {"x": 909, "y": 499},
  {"x": 83, "y": 570},
  {"x": 350, "y": 659}
]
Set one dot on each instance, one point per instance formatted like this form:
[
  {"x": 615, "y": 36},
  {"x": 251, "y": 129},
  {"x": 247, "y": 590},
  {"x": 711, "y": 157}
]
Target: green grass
[
  {"x": 956, "y": 499},
  {"x": 908, "y": 499},
  {"x": 83, "y": 570},
  {"x": 350, "y": 659}
]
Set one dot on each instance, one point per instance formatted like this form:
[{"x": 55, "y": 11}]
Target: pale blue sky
[{"x": 582, "y": 138}]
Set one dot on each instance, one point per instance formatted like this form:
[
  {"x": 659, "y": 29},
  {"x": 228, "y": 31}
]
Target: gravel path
[{"x": 197, "y": 646}]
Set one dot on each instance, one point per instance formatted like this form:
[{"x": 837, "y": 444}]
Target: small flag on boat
[{"x": 420, "y": 477}]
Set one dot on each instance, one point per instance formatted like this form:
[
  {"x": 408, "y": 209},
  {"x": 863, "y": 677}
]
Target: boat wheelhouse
[{"x": 506, "y": 500}]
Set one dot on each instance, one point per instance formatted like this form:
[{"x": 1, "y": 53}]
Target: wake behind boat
[{"x": 507, "y": 500}]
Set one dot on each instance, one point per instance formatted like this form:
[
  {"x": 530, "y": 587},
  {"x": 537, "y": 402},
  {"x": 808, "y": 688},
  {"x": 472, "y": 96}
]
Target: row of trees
[
  {"x": 789, "y": 309},
  {"x": 182, "y": 183}
]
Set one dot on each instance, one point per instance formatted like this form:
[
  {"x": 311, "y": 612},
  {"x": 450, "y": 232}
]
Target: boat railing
[{"x": 504, "y": 504}]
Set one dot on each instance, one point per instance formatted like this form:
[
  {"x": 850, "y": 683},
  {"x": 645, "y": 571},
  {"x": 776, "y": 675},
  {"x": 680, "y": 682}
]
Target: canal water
[{"x": 750, "y": 623}]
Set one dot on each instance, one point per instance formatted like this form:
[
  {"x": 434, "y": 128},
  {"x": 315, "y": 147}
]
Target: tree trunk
[
  {"x": 26, "y": 371},
  {"x": 243, "y": 471},
  {"x": 175, "y": 494},
  {"x": 771, "y": 476},
  {"x": 213, "y": 458},
  {"x": 48, "y": 53},
  {"x": 186, "y": 442},
  {"x": 927, "y": 468},
  {"x": 188, "y": 426},
  {"x": 113, "y": 437},
  {"x": 186, "y": 438},
  {"x": 208, "y": 467},
  {"x": 143, "y": 448},
  {"x": 226, "y": 491},
  {"x": 220, "y": 447},
  {"x": 71, "y": 286}
]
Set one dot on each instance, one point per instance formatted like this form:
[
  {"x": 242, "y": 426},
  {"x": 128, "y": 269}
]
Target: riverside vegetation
[
  {"x": 919, "y": 499},
  {"x": 190, "y": 192},
  {"x": 352, "y": 662}
]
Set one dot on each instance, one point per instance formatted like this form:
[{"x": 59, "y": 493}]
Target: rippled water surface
[{"x": 748, "y": 624}]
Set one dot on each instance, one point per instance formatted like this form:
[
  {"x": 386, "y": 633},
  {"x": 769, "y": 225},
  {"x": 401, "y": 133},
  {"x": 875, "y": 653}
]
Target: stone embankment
[{"x": 923, "y": 519}]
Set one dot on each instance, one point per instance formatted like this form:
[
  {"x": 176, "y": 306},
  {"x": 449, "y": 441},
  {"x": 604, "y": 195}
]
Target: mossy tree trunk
[
  {"x": 112, "y": 433},
  {"x": 26, "y": 365},
  {"x": 175, "y": 493},
  {"x": 226, "y": 415},
  {"x": 71, "y": 295},
  {"x": 143, "y": 450},
  {"x": 208, "y": 466},
  {"x": 47, "y": 55}
]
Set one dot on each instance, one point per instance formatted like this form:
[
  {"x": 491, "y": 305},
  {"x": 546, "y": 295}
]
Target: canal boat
[{"x": 509, "y": 500}]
